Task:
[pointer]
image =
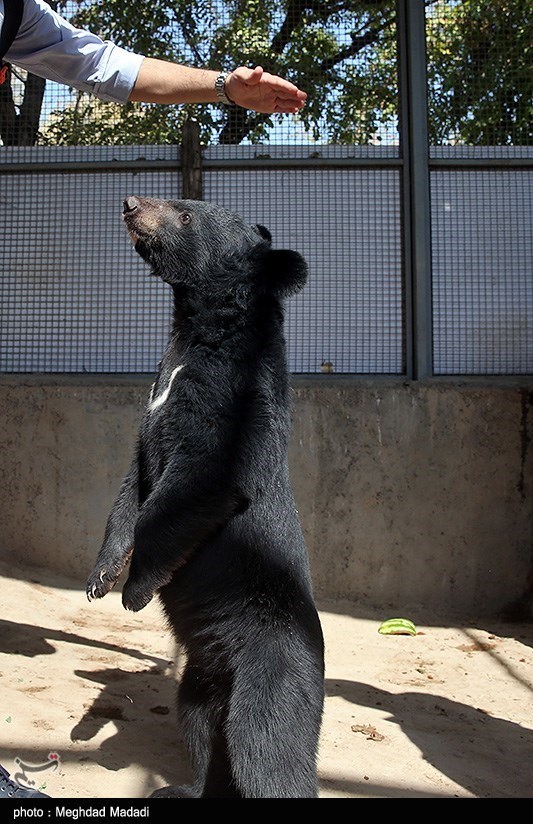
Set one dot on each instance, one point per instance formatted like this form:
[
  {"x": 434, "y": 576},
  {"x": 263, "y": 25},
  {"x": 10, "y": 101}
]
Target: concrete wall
[{"x": 410, "y": 495}]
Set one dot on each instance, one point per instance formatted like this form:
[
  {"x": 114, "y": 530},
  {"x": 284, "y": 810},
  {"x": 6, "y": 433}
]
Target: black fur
[{"x": 207, "y": 513}]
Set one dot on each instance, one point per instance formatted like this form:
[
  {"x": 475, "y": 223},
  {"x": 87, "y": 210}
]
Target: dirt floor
[{"x": 447, "y": 713}]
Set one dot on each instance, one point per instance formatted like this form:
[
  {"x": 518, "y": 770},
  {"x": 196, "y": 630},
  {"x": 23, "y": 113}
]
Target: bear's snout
[
  {"x": 130, "y": 204},
  {"x": 143, "y": 217}
]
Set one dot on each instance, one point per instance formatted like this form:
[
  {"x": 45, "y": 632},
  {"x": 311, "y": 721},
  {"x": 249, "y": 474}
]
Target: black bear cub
[{"x": 206, "y": 515}]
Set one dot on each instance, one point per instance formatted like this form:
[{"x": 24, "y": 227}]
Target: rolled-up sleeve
[{"x": 49, "y": 46}]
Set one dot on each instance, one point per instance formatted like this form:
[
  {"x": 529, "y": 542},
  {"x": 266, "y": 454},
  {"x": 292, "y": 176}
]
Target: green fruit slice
[{"x": 397, "y": 626}]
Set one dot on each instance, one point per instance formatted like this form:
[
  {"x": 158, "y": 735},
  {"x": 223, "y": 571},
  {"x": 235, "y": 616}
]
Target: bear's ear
[
  {"x": 262, "y": 231},
  {"x": 285, "y": 272}
]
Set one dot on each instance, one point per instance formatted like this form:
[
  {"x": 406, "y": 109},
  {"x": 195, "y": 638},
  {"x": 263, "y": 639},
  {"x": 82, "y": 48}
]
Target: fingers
[
  {"x": 284, "y": 88},
  {"x": 287, "y": 105}
]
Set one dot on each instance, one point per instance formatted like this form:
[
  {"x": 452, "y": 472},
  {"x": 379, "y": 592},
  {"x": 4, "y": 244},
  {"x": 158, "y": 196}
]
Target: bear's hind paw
[{"x": 175, "y": 792}]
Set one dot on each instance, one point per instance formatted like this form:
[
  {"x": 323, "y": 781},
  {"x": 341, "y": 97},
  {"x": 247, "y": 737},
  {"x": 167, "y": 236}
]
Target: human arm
[
  {"x": 49, "y": 46},
  {"x": 159, "y": 81}
]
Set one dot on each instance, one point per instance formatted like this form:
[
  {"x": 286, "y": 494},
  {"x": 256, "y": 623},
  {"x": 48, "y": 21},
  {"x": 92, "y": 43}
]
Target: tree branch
[
  {"x": 21, "y": 129},
  {"x": 357, "y": 45},
  {"x": 239, "y": 123},
  {"x": 293, "y": 18}
]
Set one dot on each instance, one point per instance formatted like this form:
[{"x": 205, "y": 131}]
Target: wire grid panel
[
  {"x": 482, "y": 272},
  {"x": 75, "y": 295},
  {"x": 346, "y": 223}
]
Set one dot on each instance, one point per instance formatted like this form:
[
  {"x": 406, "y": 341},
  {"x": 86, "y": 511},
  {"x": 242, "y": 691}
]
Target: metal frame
[
  {"x": 411, "y": 28},
  {"x": 414, "y": 165}
]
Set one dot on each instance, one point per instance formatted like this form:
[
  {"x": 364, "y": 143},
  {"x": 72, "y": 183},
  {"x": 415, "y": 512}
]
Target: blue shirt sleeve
[{"x": 49, "y": 46}]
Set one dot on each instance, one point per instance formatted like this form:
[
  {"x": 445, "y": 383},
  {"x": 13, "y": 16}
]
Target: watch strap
[{"x": 220, "y": 89}]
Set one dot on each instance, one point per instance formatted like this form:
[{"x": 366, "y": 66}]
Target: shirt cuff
[{"x": 116, "y": 78}]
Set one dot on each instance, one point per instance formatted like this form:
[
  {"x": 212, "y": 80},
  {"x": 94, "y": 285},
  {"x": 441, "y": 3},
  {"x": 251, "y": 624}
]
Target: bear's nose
[{"x": 130, "y": 204}]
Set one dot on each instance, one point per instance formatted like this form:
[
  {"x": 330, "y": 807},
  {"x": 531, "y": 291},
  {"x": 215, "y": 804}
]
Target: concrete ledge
[{"x": 410, "y": 494}]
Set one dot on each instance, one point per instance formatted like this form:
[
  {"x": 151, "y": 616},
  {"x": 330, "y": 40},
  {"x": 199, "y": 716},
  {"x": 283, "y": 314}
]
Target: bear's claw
[{"x": 99, "y": 584}]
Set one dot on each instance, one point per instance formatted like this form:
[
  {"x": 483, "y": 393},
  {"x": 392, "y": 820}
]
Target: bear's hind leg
[
  {"x": 274, "y": 722},
  {"x": 201, "y": 705}
]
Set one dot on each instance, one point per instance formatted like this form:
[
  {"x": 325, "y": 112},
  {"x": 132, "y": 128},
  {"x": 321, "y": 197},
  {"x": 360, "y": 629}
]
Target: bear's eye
[{"x": 185, "y": 218}]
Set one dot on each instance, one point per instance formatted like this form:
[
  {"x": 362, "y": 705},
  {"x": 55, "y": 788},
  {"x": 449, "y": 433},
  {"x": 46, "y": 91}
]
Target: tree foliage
[
  {"x": 342, "y": 52},
  {"x": 480, "y": 72}
]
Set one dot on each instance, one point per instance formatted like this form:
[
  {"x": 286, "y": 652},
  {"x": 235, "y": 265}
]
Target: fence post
[
  {"x": 191, "y": 161},
  {"x": 412, "y": 71}
]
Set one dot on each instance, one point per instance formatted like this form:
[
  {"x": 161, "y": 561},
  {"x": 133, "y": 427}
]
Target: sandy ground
[{"x": 445, "y": 714}]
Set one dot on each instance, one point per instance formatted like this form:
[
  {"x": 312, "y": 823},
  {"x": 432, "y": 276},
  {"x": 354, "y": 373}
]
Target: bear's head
[{"x": 192, "y": 244}]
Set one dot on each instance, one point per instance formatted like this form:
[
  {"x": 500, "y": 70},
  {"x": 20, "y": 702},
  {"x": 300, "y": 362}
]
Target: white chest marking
[{"x": 160, "y": 400}]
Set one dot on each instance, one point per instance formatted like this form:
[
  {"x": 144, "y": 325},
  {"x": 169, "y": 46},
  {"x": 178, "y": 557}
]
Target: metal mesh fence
[
  {"x": 342, "y": 53},
  {"x": 482, "y": 277},
  {"x": 76, "y": 298},
  {"x": 480, "y": 90},
  {"x": 347, "y": 224},
  {"x": 479, "y": 75}
]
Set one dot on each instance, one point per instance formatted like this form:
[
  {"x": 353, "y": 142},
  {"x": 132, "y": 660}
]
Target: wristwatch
[{"x": 220, "y": 88}]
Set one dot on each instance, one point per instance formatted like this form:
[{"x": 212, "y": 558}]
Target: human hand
[{"x": 263, "y": 92}]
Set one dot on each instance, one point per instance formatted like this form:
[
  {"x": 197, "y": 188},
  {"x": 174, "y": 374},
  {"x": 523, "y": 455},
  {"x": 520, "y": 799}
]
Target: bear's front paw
[
  {"x": 107, "y": 571},
  {"x": 101, "y": 581},
  {"x": 136, "y": 595}
]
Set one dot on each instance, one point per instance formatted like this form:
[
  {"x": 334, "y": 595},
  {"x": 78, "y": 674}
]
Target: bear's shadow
[{"x": 140, "y": 706}]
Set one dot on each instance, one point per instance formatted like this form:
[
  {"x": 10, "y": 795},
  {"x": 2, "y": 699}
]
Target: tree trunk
[{"x": 22, "y": 128}]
